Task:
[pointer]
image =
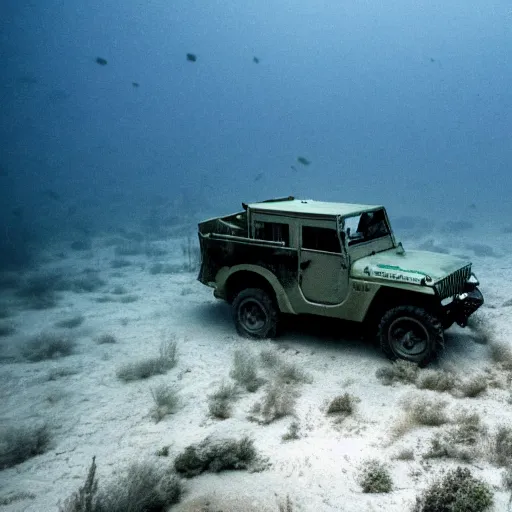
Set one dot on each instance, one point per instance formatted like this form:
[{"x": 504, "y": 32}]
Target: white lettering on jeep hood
[{"x": 396, "y": 274}]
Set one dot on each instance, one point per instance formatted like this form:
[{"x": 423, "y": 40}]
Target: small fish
[
  {"x": 191, "y": 57},
  {"x": 135, "y": 84},
  {"x": 101, "y": 61},
  {"x": 256, "y": 60},
  {"x": 293, "y": 168},
  {"x": 258, "y": 176},
  {"x": 431, "y": 59},
  {"x": 58, "y": 95},
  {"x": 52, "y": 195},
  {"x": 303, "y": 161},
  {"x": 17, "y": 212},
  {"x": 27, "y": 79}
]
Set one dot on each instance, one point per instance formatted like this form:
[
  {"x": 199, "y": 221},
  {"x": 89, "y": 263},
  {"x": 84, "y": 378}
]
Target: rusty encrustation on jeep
[{"x": 339, "y": 260}]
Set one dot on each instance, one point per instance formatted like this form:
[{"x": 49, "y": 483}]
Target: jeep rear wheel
[
  {"x": 411, "y": 333},
  {"x": 255, "y": 314}
]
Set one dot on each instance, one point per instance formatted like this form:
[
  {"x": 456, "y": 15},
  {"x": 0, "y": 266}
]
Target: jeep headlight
[{"x": 473, "y": 280}]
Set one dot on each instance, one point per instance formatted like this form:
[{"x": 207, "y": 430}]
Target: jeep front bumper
[{"x": 464, "y": 305}]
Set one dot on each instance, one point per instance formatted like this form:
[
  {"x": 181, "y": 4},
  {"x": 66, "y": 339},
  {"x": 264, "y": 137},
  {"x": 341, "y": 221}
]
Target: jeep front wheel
[
  {"x": 410, "y": 333},
  {"x": 255, "y": 314}
]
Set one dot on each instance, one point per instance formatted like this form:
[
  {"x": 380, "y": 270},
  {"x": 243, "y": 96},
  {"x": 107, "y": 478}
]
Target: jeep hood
[{"x": 407, "y": 267}]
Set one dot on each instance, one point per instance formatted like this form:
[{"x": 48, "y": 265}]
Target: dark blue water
[{"x": 104, "y": 121}]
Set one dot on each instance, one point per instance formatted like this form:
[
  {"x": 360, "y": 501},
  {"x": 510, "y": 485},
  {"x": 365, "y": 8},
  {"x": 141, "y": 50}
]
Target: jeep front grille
[{"x": 454, "y": 283}]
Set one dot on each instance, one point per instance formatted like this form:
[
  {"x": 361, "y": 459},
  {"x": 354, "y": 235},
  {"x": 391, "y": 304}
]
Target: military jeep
[{"x": 339, "y": 260}]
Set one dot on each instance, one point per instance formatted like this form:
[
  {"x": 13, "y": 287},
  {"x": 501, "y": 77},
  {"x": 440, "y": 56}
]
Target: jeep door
[{"x": 323, "y": 269}]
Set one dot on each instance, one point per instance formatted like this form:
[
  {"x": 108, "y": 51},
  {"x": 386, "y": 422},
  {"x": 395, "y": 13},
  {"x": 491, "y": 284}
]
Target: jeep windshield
[{"x": 366, "y": 226}]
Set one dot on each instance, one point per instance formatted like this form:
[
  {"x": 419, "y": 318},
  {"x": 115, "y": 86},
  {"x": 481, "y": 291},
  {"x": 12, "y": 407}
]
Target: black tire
[
  {"x": 255, "y": 314},
  {"x": 411, "y": 333}
]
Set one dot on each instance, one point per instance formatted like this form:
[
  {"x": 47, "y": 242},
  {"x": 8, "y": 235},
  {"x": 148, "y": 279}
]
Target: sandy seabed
[{"x": 91, "y": 412}]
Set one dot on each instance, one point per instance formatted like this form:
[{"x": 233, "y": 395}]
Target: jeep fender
[
  {"x": 227, "y": 274},
  {"x": 388, "y": 297}
]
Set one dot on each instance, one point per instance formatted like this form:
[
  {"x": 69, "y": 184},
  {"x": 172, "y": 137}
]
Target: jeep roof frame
[{"x": 290, "y": 206}]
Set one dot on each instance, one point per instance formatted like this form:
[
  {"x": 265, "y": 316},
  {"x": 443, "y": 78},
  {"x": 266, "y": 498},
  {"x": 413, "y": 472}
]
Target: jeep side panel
[
  {"x": 226, "y": 252},
  {"x": 229, "y": 277}
]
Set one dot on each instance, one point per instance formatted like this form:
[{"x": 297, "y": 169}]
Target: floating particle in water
[{"x": 17, "y": 212}]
